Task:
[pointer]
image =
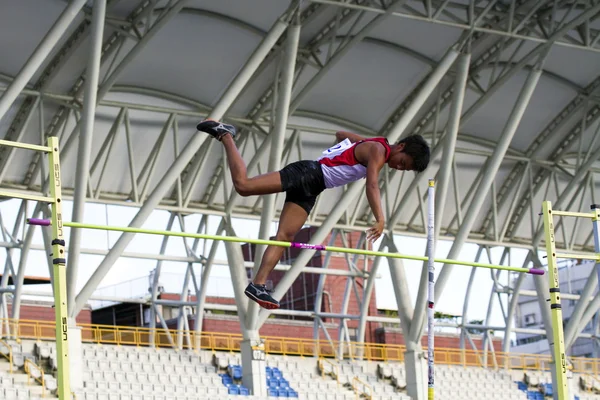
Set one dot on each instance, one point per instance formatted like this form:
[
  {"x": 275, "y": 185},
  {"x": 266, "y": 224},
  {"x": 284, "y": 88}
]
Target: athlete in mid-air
[{"x": 353, "y": 158}]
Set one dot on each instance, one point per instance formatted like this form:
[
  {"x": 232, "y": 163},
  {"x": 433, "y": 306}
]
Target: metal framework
[{"x": 489, "y": 186}]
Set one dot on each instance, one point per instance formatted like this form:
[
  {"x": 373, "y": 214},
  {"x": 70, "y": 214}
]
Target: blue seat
[
  {"x": 277, "y": 373},
  {"x": 244, "y": 391},
  {"x": 226, "y": 380},
  {"x": 233, "y": 390},
  {"x": 271, "y": 392},
  {"x": 282, "y": 393},
  {"x": 292, "y": 393},
  {"x": 273, "y": 384},
  {"x": 283, "y": 383},
  {"x": 522, "y": 386},
  {"x": 548, "y": 391}
]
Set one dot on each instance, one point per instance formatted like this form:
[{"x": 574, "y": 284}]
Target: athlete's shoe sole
[
  {"x": 216, "y": 129},
  {"x": 264, "y": 304}
]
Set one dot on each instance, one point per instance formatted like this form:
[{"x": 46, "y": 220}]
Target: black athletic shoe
[
  {"x": 262, "y": 296},
  {"x": 216, "y": 129}
]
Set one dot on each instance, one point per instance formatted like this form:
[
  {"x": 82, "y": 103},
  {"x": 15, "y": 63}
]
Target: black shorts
[{"x": 302, "y": 181}]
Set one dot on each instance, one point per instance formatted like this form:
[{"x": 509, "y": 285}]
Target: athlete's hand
[{"x": 375, "y": 232}]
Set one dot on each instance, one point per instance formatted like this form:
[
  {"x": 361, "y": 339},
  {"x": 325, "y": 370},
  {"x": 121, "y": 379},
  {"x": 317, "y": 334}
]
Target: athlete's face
[{"x": 400, "y": 160}]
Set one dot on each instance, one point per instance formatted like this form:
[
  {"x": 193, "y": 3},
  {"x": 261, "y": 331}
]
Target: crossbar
[
  {"x": 589, "y": 256},
  {"x": 590, "y": 215},
  {"x": 26, "y": 146},
  {"x": 79, "y": 225},
  {"x": 24, "y": 196}
]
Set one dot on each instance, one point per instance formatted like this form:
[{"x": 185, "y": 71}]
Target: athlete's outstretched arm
[
  {"x": 376, "y": 160},
  {"x": 353, "y": 137}
]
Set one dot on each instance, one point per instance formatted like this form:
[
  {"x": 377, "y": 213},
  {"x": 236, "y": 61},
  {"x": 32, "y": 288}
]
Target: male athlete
[{"x": 353, "y": 158}]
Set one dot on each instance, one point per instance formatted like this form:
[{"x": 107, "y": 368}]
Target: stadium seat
[{"x": 244, "y": 391}]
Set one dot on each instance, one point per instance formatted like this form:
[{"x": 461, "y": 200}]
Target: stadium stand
[
  {"x": 20, "y": 377},
  {"x": 113, "y": 372}
]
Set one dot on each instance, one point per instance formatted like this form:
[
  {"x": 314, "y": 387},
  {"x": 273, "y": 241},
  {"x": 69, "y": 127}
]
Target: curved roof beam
[
  {"x": 160, "y": 94},
  {"x": 548, "y": 74},
  {"x": 238, "y": 23},
  {"x": 396, "y": 47},
  {"x": 186, "y": 101}
]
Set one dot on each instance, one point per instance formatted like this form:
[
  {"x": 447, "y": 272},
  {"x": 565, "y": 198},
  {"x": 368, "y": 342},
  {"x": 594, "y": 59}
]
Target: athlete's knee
[{"x": 285, "y": 236}]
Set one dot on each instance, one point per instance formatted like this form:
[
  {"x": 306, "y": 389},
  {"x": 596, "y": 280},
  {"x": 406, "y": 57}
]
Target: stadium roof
[{"x": 526, "y": 131}]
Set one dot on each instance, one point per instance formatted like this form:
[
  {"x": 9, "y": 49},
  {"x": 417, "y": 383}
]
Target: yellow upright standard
[
  {"x": 60, "y": 277},
  {"x": 557, "y": 341}
]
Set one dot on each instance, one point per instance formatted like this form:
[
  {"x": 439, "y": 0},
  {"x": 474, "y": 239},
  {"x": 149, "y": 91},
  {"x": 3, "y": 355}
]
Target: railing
[
  {"x": 591, "y": 383},
  {"x": 8, "y": 355},
  {"x": 31, "y": 368},
  {"x": 146, "y": 337},
  {"x": 361, "y": 388},
  {"x": 335, "y": 369}
]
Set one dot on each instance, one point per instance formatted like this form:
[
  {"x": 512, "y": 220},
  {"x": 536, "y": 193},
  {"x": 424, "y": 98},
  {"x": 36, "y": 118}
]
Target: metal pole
[
  {"x": 39, "y": 55},
  {"x": 582, "y": 304},
  {"x": 182, "y": 161},
  {"x": 488, "y": 176},
  {"x": 355, "y": 188},
  {"x": 575, "y": 321},
  {"x": 85, "y": 145},
  {"x": 557, "y": 342},
  {"x": 596, "y": 226},
  {"x": 156, "y": 280},
  {"x": 321, "y": 285},
  {"x": 60, "y": 287},
  {"x": 431, "y": 296},
  {"x": 460, "y": 83},
  {"x": 399, "y": 281},
  {"x": 239, "y": 280},
  {"x": 18, "y": 280},
  {"x": 201, "y": 294},
  {"x": 277, "y": 138},
  {"x": 278, "y": 135},
  {"x": 367, "y": 292},
  {"x": 512, "y": 308}
]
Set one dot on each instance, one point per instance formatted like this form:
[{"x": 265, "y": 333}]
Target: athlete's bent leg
[
  {"x": 291, "y": 221},
  {"x": 262, "y": 184}
]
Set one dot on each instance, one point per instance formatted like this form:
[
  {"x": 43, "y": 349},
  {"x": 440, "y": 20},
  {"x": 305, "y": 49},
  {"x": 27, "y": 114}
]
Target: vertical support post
[
  {"x": 60, "y": 288},
  {"x": 431, "y": 287},
  {"x": 85, "y": 145},
  {"x": 596, "y": 225},
  {"x": 278, "y": 135},
  {"x": 277, "y": 139},
  {"x": 558, "y": 343}
]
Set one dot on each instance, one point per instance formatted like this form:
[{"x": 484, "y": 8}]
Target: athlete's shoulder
[{"x": 371, "y": 150}]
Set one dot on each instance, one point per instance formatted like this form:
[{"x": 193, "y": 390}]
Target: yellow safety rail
[
  {"x": 361, "y": 388},
  {"x": 335, "y": 369},
  {"x": 7, "y": 356},
  {"x": 28, "y": 367},
  {"x": 213, "y": 341}
]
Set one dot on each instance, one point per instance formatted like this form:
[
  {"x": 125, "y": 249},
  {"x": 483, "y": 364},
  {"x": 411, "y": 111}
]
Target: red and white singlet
[{"x": 340, "y": 166}]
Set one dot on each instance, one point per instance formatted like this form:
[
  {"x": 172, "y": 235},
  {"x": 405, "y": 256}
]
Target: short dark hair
[{"x": 418, "y": 149}]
